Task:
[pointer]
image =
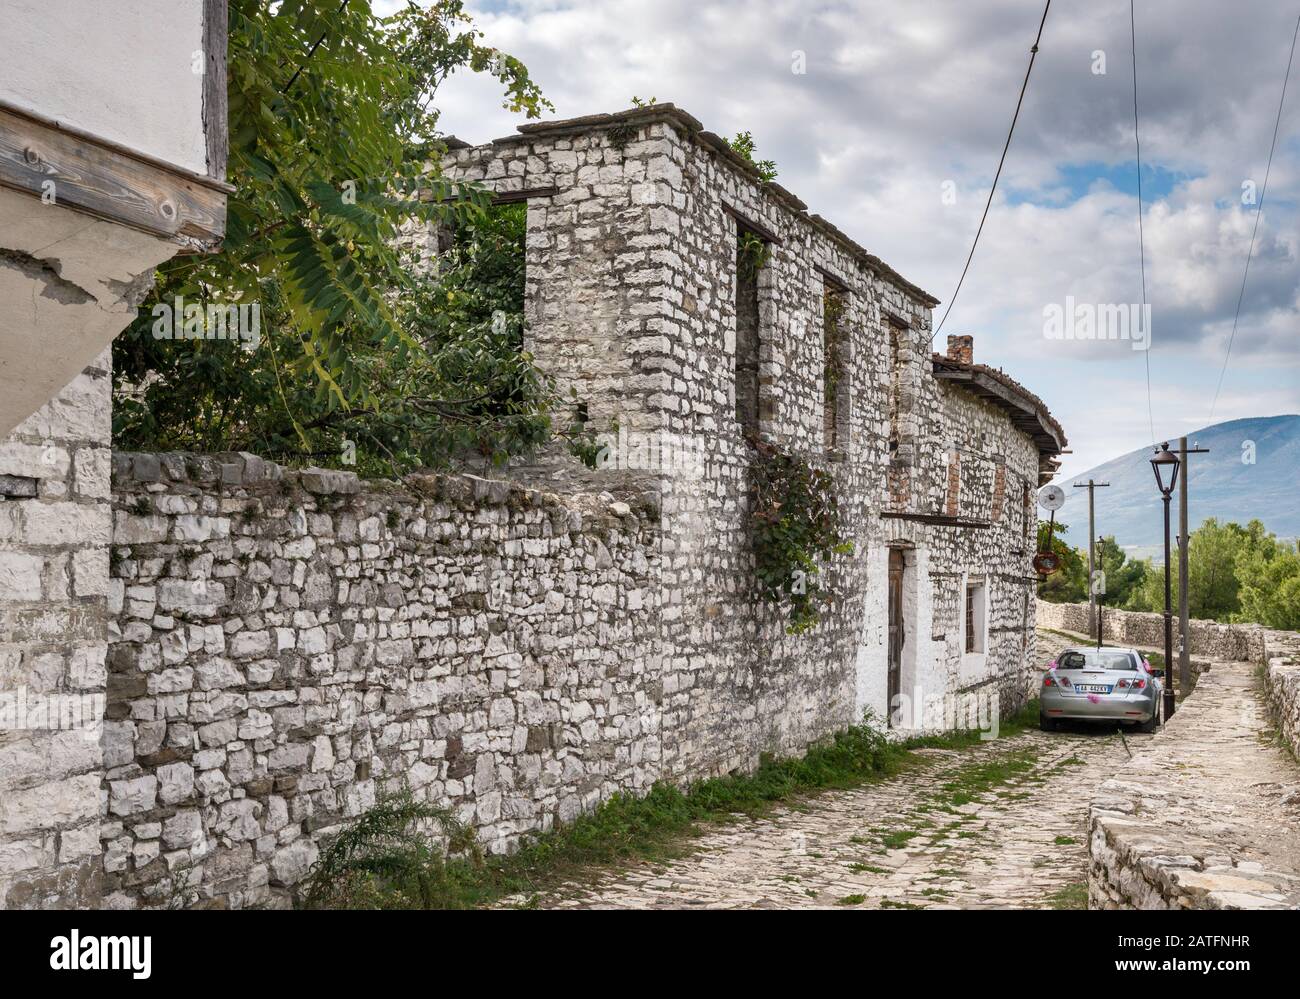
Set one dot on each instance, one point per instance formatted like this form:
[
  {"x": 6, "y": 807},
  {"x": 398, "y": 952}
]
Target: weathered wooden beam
[
  {"x": 757, "y": 228},
  {"x": 833, "y": 279},
  {"x": 938, "y": 519},
  {"x": 514, "y": 197},
  {"x": 93, "y": 175},
  {"x": 215, "y": 111}
]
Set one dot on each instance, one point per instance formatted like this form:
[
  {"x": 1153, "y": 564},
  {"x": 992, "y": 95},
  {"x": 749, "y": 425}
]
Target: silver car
[{"x": 1106, "y": 684}]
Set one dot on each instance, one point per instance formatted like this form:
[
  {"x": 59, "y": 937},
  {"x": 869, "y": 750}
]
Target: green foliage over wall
[
  {"x": 1235, "y": 574},
  {"x": 332, "y": 141},
  {"x": 796, "y": 525}
]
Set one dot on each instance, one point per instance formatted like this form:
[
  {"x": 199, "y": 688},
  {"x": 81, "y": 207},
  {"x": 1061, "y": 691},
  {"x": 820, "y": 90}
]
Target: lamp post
[
  {"x": 1165, "y": 466},
  {"x": 1097, "y": 585}
]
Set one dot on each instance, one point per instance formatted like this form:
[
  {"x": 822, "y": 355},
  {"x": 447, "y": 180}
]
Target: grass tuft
[{"x": 405, "y": 854}]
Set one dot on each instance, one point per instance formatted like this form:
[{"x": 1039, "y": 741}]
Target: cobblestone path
[
  {"x": 998, "y": 825},
  {"x": 1209, "y": 816}
]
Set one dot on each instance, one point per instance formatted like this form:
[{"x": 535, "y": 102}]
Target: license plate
[{"x": 1092, "y": 688}]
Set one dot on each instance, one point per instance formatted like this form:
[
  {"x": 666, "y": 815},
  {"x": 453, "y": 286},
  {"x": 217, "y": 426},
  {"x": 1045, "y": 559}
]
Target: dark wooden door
[{"x": 896, "y": 566}]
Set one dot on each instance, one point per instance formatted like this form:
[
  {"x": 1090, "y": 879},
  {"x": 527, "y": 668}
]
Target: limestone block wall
[
  {"x": 283, "y": 643},
  {"x": 1282, "y": 685},
  {"x": 633, "y": 222},
  {"x": 54, "y": 532},
  {"x": 1209, "y": 639}
]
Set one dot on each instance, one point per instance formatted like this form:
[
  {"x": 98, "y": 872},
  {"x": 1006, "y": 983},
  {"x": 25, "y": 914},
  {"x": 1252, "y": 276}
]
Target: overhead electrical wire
[
  {"x": 1033, "y": 54},
  {"x": 1259, "y": 210},
  {"x": 1142, "y": 247}
]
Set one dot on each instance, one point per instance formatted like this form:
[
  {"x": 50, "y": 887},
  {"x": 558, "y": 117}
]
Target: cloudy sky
[{"x": 902, "y": 102}]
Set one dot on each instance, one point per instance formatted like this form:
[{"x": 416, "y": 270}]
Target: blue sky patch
[{"x": 1074, "y": 180}]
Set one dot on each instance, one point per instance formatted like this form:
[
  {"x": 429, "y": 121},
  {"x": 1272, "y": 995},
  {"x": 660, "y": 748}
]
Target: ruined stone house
[
  {"x": 281, "y": 644},
  {"x": 637, "y": 304}
]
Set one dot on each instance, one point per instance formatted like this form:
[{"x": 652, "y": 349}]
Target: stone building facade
[
  {"x": 281, "y": 644},
  {"x": 635, "y": 304}
]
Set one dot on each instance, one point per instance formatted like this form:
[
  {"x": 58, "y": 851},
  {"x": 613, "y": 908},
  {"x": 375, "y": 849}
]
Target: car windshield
[{"x": 1096, "y": 659}]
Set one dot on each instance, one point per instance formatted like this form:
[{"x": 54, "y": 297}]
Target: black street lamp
[
  {"x": 1165, "y": 465},
  {"x": 1099, "y": 549}
]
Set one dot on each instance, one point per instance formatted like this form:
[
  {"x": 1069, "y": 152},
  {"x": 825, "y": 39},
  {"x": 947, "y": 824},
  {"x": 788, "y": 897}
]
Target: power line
[
  {"x": 1142, "y": 246},
  {"x": 1033, "y": 54},
  {"x": 1258, "y": 212}
]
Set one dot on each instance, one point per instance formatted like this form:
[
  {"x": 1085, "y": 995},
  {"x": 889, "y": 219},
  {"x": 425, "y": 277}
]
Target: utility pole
[
  {"x": 1093, "y": 629},
  {"x": 1184, "y": 625}
]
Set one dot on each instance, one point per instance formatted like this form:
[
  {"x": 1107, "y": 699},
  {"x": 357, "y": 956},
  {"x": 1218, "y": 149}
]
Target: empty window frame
[
  {"x": 835, "y": 392},
  {"x": 751, "y": 256},
  {"x": 976, "y": 613},
  {"x": 896, "y": 333}
]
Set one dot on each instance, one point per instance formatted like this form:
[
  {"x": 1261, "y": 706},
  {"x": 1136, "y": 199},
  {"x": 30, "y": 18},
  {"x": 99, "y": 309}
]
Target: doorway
[{"x": 897, "y": 565}]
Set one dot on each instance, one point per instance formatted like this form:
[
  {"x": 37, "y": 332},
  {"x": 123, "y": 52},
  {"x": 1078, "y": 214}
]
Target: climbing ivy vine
[{"x": 796, "y": 527}]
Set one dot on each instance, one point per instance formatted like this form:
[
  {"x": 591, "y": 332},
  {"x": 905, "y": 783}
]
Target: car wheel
[
  {"x": 1045, "y": 723},
  {"x": 1149, "y": 725}
]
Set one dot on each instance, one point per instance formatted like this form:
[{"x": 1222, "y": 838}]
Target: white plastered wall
[{"x": 126, "y": 72}]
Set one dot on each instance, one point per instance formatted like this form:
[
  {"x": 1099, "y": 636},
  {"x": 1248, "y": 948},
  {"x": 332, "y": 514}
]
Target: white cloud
[{"x": 899, "y": 98}]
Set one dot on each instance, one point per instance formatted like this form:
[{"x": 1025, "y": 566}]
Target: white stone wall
[
  {"x": 1282, "y": 685},
  {"x": 54, "y": 531},
  {"x": 631, "y": 303},
  {"x": 1209, "y": 639},
  {"x": 284, "y": 644}
]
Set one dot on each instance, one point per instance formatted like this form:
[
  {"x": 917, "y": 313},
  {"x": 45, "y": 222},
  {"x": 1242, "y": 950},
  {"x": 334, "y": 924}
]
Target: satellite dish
[{"x": 1051, "y": 497}]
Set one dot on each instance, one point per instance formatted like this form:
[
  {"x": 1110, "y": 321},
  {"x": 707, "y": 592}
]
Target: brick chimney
[{"x": 961, "y": 348}]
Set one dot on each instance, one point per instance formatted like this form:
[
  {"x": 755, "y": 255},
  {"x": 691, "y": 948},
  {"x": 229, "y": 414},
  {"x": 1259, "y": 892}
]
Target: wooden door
[{"x": 896, "y": 567}]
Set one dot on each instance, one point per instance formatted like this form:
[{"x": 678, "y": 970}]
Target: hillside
[{"x": 1222, "y": 486}]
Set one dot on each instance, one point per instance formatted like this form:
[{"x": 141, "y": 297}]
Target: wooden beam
[
  {"x": 938, "y": 519},
  {"x": 514, "y": 197},
  {"x": 216, "y": 125},
  {"x": 757, "y": 228},
  {"x": 833, "y": 280},
  {"x": 106, "y": 180}
]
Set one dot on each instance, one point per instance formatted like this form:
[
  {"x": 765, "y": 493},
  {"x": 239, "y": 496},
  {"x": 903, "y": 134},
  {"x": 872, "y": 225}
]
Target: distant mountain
[{"x": 1222, "y": 485}]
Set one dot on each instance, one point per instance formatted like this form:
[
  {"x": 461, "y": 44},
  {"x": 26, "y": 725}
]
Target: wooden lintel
[
  {"x": 834, "y": 280},
  {"x": 895, "y": 320},
  {"x": 938, "y": 519},
  {"x": 101, "y": 178},
  {"x": 757, "y": 228},
  {"x": 514, "y": 197}
]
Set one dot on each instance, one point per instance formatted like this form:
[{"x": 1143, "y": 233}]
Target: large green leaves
[{"x": 332, "y": 153}]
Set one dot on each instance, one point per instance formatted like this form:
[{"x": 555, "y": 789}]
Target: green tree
[
  {"x": 1234, "y": 573},
  {"x": 1069, "y": 584},
  {"x": 1270, "y": 586},
  {"x": 1123, "y": 576},
  {"x": 332, "y": 137}
]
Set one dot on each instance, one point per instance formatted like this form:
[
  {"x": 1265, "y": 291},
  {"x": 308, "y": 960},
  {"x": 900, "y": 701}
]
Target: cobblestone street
[{"x": 998, "y": 825}]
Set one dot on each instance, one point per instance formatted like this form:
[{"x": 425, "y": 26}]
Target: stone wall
[
  {"x": 633, "y": 222},
  {"x": 286, "y": 642},
  {"x": 54, "y": 530},
  {"x": 1209, "y": 639},
  {"x": 1282, "y": 683},
  {"x": 1203, "y": 816}
]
